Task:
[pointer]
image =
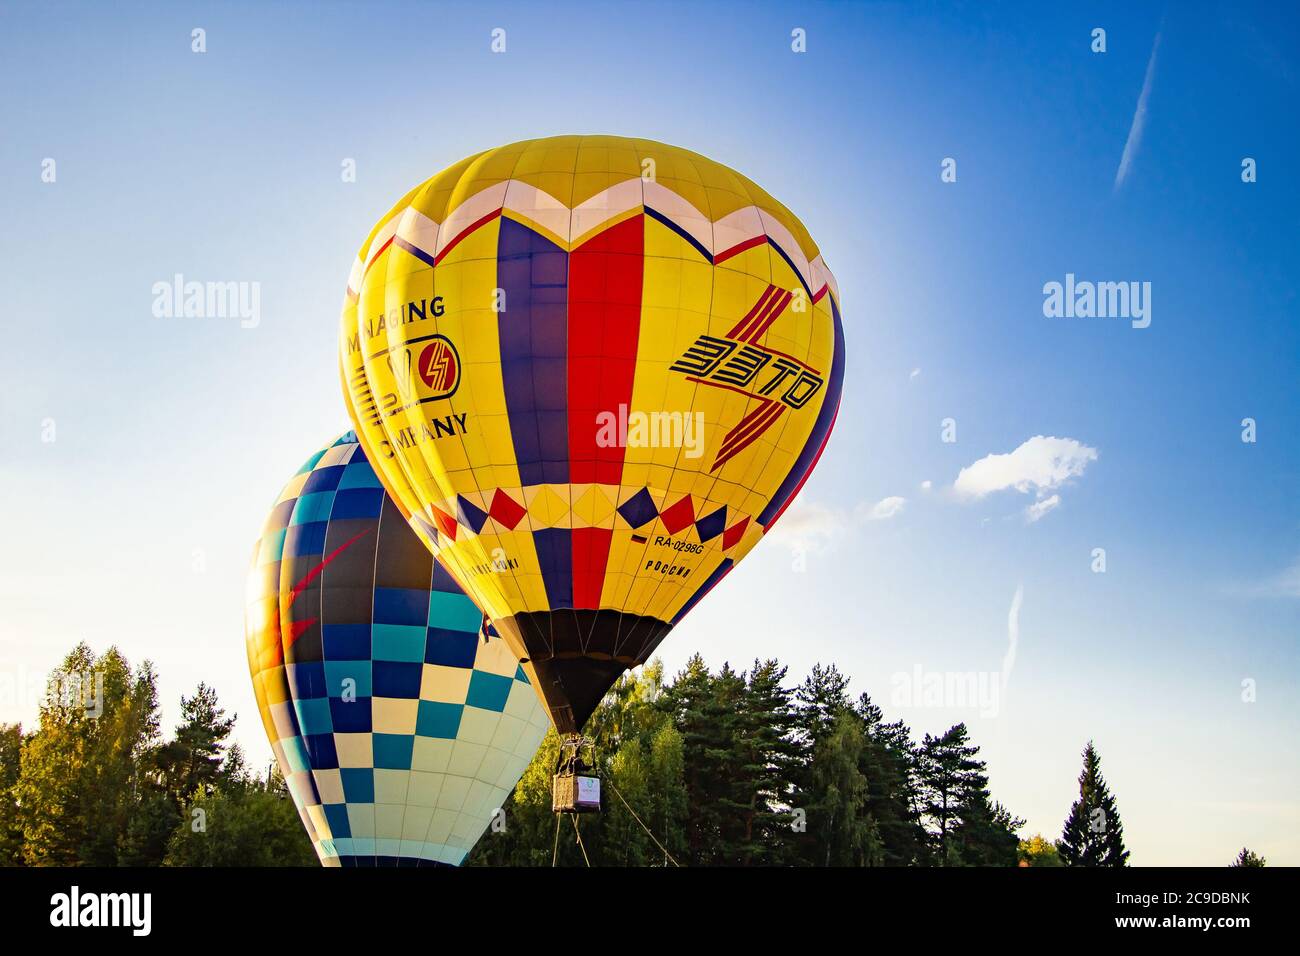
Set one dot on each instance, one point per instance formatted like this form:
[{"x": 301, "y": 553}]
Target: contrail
[
  {"x": 1139, "y": 118},
  {"x": 1013, "y": 634}
]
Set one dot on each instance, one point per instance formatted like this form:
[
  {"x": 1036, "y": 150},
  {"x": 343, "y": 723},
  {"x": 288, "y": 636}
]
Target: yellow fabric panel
[{"x": 684, "y": 295}]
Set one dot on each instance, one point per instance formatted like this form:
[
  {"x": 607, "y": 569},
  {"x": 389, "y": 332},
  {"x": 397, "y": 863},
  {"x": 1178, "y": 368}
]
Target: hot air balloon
[
  {"x": 398, "y": 726},
  {"x": 592, "y": 371}
]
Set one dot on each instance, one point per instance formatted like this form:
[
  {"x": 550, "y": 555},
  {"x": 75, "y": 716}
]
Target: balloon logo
[
  {"x": 440, "y": 367},
  {"x": 399, "y": 728},
  {"x": 652, "y": 357}
]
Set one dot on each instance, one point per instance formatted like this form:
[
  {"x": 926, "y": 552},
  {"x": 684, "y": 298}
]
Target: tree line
[
  {"x": 725, "y": 768},
  {"x": 97, "y": 784},
  {"x": 740, "y": 769}
]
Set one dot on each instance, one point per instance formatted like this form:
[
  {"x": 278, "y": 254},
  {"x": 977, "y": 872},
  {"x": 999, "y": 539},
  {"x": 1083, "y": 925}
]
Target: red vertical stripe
[
  {"x": 590, "y": 555},
  {"x": 605, "y": 276}
]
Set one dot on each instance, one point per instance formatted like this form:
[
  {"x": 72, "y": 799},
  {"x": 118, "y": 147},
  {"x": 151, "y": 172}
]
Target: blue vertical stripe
[
  {"x": 533, "y": 273},
  {"x": 555, "y": 556}
]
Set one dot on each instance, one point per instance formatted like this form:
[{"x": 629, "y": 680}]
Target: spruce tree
[
  {"x": 1247, "y": 859},
  {"x": 986, "y": 832},
  {"x": 892, "y": 799},
  {"x": 771, "y": 755},
  {"x": 1093, "y": 835},
  {"x": 703, "y": 708}
]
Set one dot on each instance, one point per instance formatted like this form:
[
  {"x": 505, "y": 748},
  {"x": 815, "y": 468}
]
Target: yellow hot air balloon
[{"x": 592, "y": 371}]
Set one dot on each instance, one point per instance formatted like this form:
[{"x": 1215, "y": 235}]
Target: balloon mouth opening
[{"x": 574, "y": 656}]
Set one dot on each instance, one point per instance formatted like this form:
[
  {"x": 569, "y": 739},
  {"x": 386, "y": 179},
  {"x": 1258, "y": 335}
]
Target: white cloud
[
  {"x": 915, "y": 373},
  {"x": 1040, "y": 508},
  {"x": 886, "y": 508},
  {"x": 811, "y": 526},
  {"x": 926, "y": 485},
  {"x": 1040, "y": 464}
]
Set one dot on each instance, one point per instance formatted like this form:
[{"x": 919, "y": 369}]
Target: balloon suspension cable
[
  {"x": 574, "y": 818},
  {"x": 571, "y": 753},
  {"x": 555, "y": 850},
  {"x": 668, "y": 856}
]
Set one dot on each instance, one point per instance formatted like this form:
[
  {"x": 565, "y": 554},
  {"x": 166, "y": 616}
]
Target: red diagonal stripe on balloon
[
  {"x": 758, "y": 429},
  {"x": 772, "y": 316},
  {"x": 297, "y": 628},
  {"x": 751, "y": 421},
  {"x": 749, "y": 317},
  {"x": 748, "y": 335}
]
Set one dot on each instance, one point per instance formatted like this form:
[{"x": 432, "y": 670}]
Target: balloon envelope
[
  {"x": 398, "y": 727},
  {"x": 593, "y": 371}
]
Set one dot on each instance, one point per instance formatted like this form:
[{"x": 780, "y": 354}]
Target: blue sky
[{"x": 171, "y": 435}]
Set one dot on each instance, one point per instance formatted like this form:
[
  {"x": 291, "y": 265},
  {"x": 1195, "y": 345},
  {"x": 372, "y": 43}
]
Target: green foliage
[
  {"x": 1038, "y": 851},
  {"x": 11, "y": 830},
  {"x": 986, "y": 833},
  {"x": 721, "y": 768},
  {"x": 251, "y": 825},
  {"x": 733, "y": 769},
  {"x": 80, "y": 771},
  {"x": 639, "y": 753},
  {"x": 94, "y": 785},
  {"x": 1247, "y": 858},
  {"x": 845, "y": 833},
  {"x": 950, "y": 779},
  {"x": 1093, "y": 834},
  {"x": 890, "y": 766},
  {"x": 192, "y": 760},
  {"x": 148, "y": 830}
]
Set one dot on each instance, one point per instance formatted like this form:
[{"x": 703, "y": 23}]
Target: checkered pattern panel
[{"x": 399, "y": 725}]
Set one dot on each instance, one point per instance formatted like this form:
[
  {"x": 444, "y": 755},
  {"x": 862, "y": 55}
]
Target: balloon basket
[
  {"x": 575, "y": 787},
  {"x": 571, "y": 793}
]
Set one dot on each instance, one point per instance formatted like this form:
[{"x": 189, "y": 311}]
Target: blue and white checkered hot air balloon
[{"x": 399, "y": 724}]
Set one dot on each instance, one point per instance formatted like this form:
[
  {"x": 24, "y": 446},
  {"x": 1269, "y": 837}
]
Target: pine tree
[
  {"x": 820, "y": 699},
  {"x": 193, "y": 758},
  {"x": 892, "y": 799},
  {"x": 1247, "y": 858},
  {"x": 1093, "y": 834},
  {"x": 951, "y": 780}
]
